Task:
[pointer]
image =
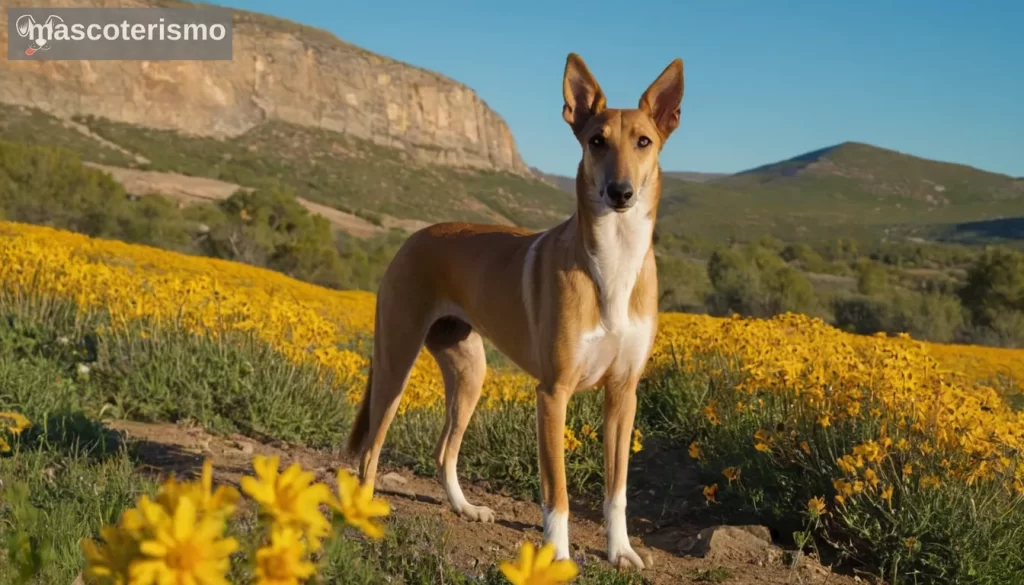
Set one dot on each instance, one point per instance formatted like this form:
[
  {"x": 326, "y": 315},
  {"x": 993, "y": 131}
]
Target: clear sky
[{"x": 765, "y": 80}]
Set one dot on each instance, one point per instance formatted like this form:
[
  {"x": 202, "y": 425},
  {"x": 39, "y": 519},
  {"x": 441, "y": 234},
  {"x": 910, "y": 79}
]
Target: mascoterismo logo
[{"x": 28, "y": 28}]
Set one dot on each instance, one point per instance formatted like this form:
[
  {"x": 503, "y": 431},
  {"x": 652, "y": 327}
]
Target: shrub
[{"x": 753, "y": 281}]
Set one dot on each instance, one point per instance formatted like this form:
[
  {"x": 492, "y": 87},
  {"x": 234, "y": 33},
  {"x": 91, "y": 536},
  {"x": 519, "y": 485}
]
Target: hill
[
  {"x": 848, "y": 190},
  {"x": 693, "y": 176}
]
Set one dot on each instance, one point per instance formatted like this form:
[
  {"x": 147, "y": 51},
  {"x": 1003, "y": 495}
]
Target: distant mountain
[
  {"x": 569, "y": 183},
  {"x": 850, "y": 189},
  {"x": 560, "y": 181},
  {"x": 692, "y": 176}
]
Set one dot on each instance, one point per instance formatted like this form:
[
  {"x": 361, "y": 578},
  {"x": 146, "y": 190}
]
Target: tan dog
[{"x": 574, "y": 306}]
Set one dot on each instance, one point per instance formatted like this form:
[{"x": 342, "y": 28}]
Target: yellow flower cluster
[
  {"x": 178, "y": 536},
  {"x": 896, "y": 385},
  {"x": 943, "y": 392},
  {"x": 14, "y": 423},
  {"x": 308, "y": 323}
]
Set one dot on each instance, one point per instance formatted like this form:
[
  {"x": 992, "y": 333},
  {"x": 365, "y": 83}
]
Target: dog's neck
[{"x": 611, "y": 246}]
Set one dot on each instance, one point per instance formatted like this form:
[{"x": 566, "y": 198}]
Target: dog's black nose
[{"x": 620, "y": 193}]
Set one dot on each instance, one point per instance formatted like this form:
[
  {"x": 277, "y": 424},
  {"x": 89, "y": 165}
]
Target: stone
[
  {"x": 744, "y": 544},
  {"x": 392, "y": 480}
]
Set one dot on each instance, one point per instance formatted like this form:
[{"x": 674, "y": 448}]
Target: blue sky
[{"x": 765, "y": 80}]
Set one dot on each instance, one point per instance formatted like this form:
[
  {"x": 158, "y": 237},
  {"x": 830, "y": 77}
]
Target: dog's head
[{"x": 620, "y": 146}]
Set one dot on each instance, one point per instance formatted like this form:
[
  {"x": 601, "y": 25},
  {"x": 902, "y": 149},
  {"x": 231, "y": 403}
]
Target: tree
[{"x": 995, "y": 286}]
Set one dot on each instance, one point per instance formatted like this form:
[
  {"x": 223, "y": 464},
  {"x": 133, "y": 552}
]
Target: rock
[
  {"x": 392, "y": 480},
  {"x": 244, "y": 447},
  {"x": 280, "y": 71},
  {"x": 746, "y": 544}
]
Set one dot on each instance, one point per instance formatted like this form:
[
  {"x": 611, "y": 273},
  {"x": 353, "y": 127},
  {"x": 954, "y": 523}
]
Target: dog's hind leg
[
  {"x": 398, "y": 338},
  {"x": 459, "y": 351}
]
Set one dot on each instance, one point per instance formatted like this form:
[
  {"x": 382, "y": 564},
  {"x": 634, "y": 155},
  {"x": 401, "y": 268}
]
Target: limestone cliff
[{"x": 283, "y": 71}]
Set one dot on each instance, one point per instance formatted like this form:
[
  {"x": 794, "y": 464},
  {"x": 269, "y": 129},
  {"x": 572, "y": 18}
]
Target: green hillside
[
  {"x": 852, "y": 190},
  {"x": 326, "y": 167}
]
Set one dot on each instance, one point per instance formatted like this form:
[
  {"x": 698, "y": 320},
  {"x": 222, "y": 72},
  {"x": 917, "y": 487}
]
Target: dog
[{"x": 575, "y": 307}]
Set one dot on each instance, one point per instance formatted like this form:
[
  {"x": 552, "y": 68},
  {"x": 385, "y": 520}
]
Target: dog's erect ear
[
  {"x": 583, "y": 96},
  {"x": 663, "y": 98}
]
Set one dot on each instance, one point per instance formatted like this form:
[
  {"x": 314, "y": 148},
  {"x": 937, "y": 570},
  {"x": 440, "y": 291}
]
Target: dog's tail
[{"x": 361, "y": 426}]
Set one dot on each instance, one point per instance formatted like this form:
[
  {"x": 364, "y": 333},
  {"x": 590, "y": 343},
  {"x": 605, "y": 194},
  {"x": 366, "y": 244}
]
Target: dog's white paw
[
  {"x": 624, "y": 557},
  {"x": 477, "y": 513}
]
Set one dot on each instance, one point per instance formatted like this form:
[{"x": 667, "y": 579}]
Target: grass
[
  {"x": 68, "y": 475},
  {"x": 32, "y": 126},
  {"x": 68, "y": 369}
]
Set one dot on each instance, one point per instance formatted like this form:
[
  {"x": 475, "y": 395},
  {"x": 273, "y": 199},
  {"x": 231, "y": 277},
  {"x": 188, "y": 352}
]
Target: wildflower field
[{"x": 897, "y": 457}]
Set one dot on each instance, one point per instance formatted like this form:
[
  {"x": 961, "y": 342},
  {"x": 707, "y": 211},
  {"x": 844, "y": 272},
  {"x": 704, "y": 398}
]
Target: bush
[
  {"x": 995, "y": 285},
  {"x": 753, "y": 281},
  {"x": 872, "y": 278},
  {"x": 931, "y": 316}
]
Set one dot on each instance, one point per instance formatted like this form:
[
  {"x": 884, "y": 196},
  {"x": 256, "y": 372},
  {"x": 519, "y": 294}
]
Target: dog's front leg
[
  {"x": 619, "y": 412},
  {"x": 552, "y": 402}
]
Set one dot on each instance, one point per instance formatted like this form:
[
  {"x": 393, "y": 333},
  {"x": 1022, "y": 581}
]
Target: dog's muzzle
[{"x": 620, "y": 195}]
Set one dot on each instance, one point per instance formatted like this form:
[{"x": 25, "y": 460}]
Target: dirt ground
[{"x": 170, "y": 448}]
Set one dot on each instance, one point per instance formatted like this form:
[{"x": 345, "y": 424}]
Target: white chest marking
[
  {"x": 623, "y": 353},
  {"x": 618, "y": 342},
  {"x": 622, "y": 242}
]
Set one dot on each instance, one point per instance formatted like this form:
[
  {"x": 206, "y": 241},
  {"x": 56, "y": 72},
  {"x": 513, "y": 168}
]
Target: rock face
[{"x": 280, "y": 71}]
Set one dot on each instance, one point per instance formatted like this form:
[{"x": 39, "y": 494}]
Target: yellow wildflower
[
  {"x": 710, "y": 491},
  {"x": 694, "y": 450},
  {"x": 731, "y": 473},
  {"x": 223, "y": 501},
  {"x": 283, "y": 561},
  {"x": 571, "y": 442},
  {"x": 805, "y": 447},
  {"x": 887, "y": 494},
  {"x": 816, "y": 507},
  {"x": 588, "y": 432},
  {"x": 637, "y": 441},
  {"x": 183, "y": 548},
  {"x": 357, "y": 505},
  {"x": 709, "y": 413},
  {"x": 539, "y": 567},
  {"x": 290, "y": 498},
  {"x": 871, "y": 477},
  {"x": 18, "y": 422},
  {"x": 107, "y": 563}
]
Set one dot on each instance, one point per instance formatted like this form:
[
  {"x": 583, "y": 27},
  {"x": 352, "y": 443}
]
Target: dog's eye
[
  {"x": 643, "y": 142},
  {"x": 597, "y": 140}
]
